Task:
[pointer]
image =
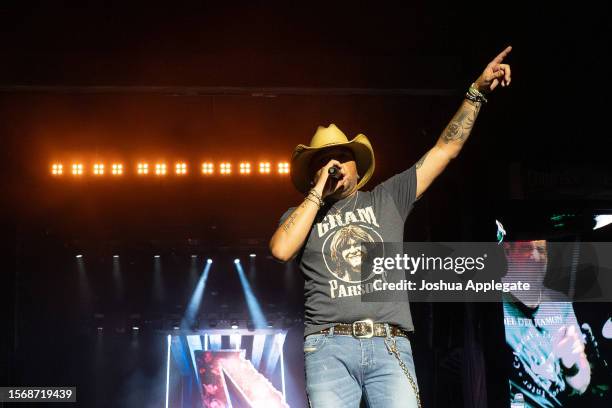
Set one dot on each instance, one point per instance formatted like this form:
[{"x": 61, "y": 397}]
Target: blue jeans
[{"x": 340, "y": 368}]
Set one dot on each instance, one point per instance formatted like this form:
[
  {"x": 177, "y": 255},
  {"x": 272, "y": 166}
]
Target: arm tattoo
[
  {"x": 421, "y": 160},
  {"x": 461, "y": 125},
  {"x": 290, "y": 221}
]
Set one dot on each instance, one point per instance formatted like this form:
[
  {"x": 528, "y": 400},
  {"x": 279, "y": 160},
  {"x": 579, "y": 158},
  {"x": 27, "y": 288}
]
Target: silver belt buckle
[{"x": 369, "y": 324}]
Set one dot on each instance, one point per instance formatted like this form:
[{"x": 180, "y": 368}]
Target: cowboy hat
[{"x": 325, "y": 138}]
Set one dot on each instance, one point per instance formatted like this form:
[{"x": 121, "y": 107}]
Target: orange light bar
[{"x": 162, "y": 169}]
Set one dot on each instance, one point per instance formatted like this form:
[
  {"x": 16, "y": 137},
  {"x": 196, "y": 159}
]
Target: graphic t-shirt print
[{"x": 342, "y": 237}]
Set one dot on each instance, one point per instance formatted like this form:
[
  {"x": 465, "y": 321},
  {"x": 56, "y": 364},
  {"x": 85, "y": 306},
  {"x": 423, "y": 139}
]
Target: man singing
[{"x": 353, "y": 347}]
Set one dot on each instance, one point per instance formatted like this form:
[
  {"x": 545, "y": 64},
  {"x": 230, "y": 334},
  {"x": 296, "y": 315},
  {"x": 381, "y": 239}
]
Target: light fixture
[
  {"x": 283, "y": 168},
  {"x": 77, "y": 169},
  {"x": 160, "y": 169},
  {"x": 208, "y": 168},
  {"x": 226, "y": 168},
  {"x": 245, "y": 168},
  {"x": 264, "y": 167},
  {"x": 117, "y": 169},
  {"x": 98, "y": 169},
  {"x": 57, "y": 169},
  {"x": 180, "y": 168},
  {"x": 143, "y": 168}
]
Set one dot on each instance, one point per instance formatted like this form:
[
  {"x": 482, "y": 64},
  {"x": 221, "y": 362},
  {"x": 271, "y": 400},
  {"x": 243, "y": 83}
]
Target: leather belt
[{"x": 364, "y": 329}]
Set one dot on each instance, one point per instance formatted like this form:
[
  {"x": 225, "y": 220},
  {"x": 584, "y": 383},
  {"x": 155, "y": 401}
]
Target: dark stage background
[{"x": 201, "y": 80}]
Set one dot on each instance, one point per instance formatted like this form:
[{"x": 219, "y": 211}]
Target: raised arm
[{"x": 458, "y": 130}]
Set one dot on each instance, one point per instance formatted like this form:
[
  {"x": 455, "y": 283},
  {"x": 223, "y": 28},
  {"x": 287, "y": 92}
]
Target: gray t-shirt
[{"x": 331, "y": 258}]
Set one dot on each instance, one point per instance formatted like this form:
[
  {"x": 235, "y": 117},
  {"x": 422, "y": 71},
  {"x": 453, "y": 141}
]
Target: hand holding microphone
[
  {"x": 328, "y": 177},
  {"x": 334, "y": 172}
]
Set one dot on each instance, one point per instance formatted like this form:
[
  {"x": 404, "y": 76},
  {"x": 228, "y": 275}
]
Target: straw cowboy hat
[{"x": 324, "y": 138}]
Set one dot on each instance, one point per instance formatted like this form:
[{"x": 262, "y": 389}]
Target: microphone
[{"x": 334, "y": 172}]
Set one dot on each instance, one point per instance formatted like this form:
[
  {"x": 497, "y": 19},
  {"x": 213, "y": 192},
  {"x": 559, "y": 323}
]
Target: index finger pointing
[{"x": 502, "y": 55}]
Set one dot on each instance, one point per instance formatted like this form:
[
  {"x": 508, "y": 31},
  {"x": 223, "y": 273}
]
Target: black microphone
[{"x": 334, "y": 172}]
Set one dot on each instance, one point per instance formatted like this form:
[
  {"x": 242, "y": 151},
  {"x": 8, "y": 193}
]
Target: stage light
[
  {"x": 253, "y": 306},
  {"x": 209, "y": 261},
  {"x": 84, "y": 288},
  {"x": 283, "y": 168},
  {"x": 281, "y": 338},
  {"x": 208, "y": 168},
  {"x": 245, "y": 168},
  {"x": 226, "y": 168},
  {"x": 135, "y": 328},
  {"x": 252, "y": 255},
  {"x": 264, "y": 167},
  {"x": 181, "y": 168},
  {"x": 115, "y": 256},
  {"x": 77, "y": 169},
  {"x": 98, "y": 169},
  {"x": 143, "y": 168},
  {"x": 176, "y": 328},
  {"x": 234, "y": 325},
  {"x": 236, "y": 261},
  {"x": 189, "y": 320},
  {"x": 117, "y": 169},
  {"x": 100, "y": 329},
  {"x": 160, "y": 169},
  {"x": 168, "y": 371},
  {"x": 194, "y": 256},
  {"x": 156, "y": 256},
  {"x": 57, "y": 169}
]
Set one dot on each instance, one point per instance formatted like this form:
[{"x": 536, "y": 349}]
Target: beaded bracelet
[
  {"x": 318, "y": 201},
  {"x": 313, "y": 201},
  {"x": 474, "y": 95},
  {"x": 315, "y": 193}
]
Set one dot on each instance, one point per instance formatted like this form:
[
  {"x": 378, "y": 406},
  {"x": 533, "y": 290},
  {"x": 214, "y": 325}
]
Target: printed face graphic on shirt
[
  {"x": 352, "y": 254},
  {"x": 343, "y": 254},
  {"x": 346, "y": 252}
]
